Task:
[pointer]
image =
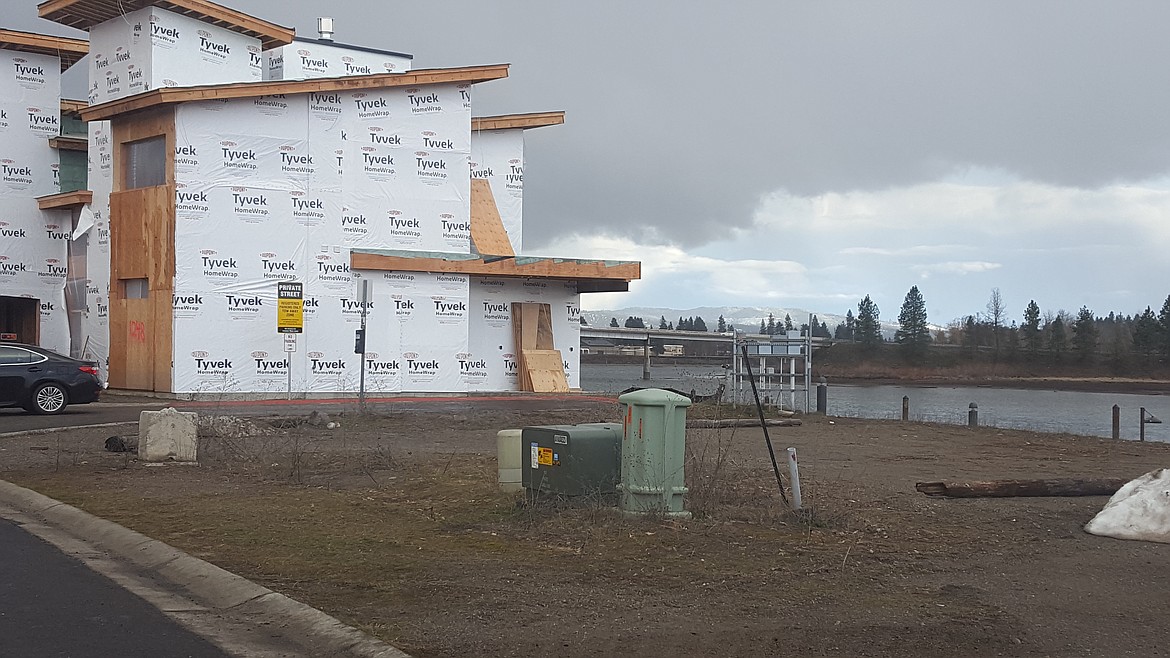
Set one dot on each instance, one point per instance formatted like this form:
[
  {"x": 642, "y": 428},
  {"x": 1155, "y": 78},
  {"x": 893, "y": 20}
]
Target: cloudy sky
[{"x": 805, "y": 154}]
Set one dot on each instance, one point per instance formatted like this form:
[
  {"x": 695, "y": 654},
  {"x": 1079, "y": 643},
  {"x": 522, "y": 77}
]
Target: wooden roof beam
[
  {"x": 65, "y": 200},
  {"x": 84, "y": 14},
  {"x": 68, "y": 50},
  {"x": 70, "y": 106},
  {"x": 170, "y": 95},
  {"x": 596, "y": 271},
  {"x": 67, "y": 143},
  {"x": 521, "y": 121}
]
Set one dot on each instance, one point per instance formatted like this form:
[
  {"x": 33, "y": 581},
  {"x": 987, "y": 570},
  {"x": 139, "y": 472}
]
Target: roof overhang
[
  {"x": 65, "y": 200},
  {"x": 70, "y": 106},
  {"x": 67, "y": 143},
  {"x": 520, "y": 121},
  {"x": 68, "y": 50},
  {"x": 84, "y": 14},
  {"x": 590, "y": 275},
  {"x": 349, "y": 46},
  {"x": 172, "y": 95}
]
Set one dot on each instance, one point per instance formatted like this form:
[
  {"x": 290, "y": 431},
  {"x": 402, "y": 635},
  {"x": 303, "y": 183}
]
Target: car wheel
[{"x": 48, "y": 399}]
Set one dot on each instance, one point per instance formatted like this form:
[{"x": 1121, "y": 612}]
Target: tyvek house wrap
[
  {"x": 498, "y": 157},
  {"x": 95, "y": 323},
  {"x": 280, "y": 188},
  {"x": 491, "y": 338},
  {"x": 311, "y": 59},
  {"x": 152, "y": 47},
  {"x": 33, "y": 243}
]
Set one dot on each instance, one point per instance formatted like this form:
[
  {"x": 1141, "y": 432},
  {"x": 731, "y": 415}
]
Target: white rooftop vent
[{"x": 325, "y": 28}]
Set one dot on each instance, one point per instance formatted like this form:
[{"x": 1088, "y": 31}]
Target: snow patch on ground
[{"x": 1139, "y": 510}]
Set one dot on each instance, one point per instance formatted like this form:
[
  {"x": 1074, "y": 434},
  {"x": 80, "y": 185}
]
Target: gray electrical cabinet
[{"x": 572, "y": 460}]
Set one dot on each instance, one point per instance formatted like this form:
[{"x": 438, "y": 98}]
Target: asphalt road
[
  {"x": 17, "y": 420},
  {"x": 53, "y": 605}
]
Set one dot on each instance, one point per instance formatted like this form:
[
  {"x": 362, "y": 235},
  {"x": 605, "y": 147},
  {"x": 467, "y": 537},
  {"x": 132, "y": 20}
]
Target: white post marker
[
  {"x": 794, "y": 478},
  {"x": 290, "y": 346},
  {"x": 365, "y": 296}
]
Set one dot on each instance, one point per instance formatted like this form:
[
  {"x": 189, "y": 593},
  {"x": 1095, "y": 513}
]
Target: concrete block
[{"x": 167, "y": 435}]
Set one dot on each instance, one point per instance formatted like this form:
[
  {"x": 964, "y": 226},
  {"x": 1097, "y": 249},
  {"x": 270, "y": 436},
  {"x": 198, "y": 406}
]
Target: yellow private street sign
[{"x": 290, "y": 307}]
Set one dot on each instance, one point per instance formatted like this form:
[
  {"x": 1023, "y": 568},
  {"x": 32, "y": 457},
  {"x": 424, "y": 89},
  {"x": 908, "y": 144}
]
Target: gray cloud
[{"x": 683, "y": 116}]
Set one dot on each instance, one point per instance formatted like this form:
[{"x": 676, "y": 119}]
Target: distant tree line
[
  {"x": 1054, "y": 336},
  {"x": 695, "y": 323}
]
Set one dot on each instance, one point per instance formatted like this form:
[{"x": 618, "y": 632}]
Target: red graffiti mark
[{"x": 137, "y": 331}]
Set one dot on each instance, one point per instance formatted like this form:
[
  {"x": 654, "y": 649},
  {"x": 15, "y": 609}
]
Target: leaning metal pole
[{"x": 764, "y": 425}]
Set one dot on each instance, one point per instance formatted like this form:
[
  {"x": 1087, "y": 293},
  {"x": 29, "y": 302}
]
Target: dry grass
[{"x": 416, "y": 544}]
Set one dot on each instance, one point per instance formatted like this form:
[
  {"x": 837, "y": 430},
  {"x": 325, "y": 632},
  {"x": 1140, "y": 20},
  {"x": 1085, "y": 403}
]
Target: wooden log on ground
[
  {"x": 741, "y": 422},
  {"x": 1021, "y": 488}
]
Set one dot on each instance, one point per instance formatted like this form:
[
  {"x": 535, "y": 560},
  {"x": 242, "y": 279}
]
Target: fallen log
[
  {"x": 1021, "y": 488},
  {"x": 741, "y": 422}
]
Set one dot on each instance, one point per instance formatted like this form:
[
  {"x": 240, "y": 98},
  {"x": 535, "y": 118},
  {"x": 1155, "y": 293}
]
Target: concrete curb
[{"x": 205, "y": 583}]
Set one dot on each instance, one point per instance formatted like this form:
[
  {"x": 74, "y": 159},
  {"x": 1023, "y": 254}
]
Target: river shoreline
[{"x": 1080, "y": 384}]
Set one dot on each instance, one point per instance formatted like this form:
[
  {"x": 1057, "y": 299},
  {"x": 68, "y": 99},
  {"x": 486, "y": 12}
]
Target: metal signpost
[
  {"x": 360, "y": 345},
  {"x": 290, "y": 320}
]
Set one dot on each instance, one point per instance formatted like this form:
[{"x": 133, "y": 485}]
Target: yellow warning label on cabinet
[{"x": 545, "y": 457}]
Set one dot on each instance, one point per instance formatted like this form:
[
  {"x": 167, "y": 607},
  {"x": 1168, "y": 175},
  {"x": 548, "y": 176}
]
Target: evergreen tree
[
  {"x": 1146, "y": 333},
  {"x": 1030, "y": 330},
  {"x": 869, "y": 329},
  {"x": 721, "y": 327},
  {"x": 1013, "y": 342},
  {"x": 698, "y": 325},
  {"x": 682, "y": 325},
  {"x": 635, "y": 323},
  {"x": 788, "y": 326},
  {"x": 850, "y": 326},
  {"x": 1085, "y": 334},
  {"x": 824, "y": 332},
  {"x": 662, "y": 322},
  {"x": 763, "y": 327},
  {"x": 1057, "y": 339},
  {"x": 771, "y": 328},
  {"x": 1164, "y": 328},
  {"x": 970, "y": 337},
  {"x": 913, "y": 333},
  {"x": 613, "y": 322}
]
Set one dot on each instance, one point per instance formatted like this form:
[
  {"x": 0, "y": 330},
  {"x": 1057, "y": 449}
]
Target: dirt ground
[{"x": 395, "y": 525}]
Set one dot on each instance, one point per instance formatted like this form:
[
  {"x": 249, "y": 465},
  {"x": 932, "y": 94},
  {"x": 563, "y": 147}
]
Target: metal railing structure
[{"x": 783, "y": 363}]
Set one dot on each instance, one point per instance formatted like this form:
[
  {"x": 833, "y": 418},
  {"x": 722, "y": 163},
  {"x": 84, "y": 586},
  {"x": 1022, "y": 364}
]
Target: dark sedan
[{"x": 43, "y": 381}]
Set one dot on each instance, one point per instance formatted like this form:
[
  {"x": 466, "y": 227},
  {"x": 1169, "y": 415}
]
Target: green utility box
[
  {"x": 654, "y": 427},
  {"x": 571, "y": 460}
]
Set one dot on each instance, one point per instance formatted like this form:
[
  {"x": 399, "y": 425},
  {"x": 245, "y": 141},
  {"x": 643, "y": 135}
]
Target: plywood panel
[
  {"x": 535, "y": 356},
  {"x": 487, "y": 229},
  {"x": 118, "y": 342},
  {"x": 546, "y": 371},
  {"x": 129, "y": 255},
  {"x": 139, "y": 354},
  {"x": 142, "y": 247},
  {"x": 544, "y": 330},
  {"x": 162, "y": 340},
  {"x": 520, "y": 338}
]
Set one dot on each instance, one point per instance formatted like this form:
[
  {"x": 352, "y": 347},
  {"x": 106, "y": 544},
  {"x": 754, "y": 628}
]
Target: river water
[{"x": 1075, "y": 412}]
